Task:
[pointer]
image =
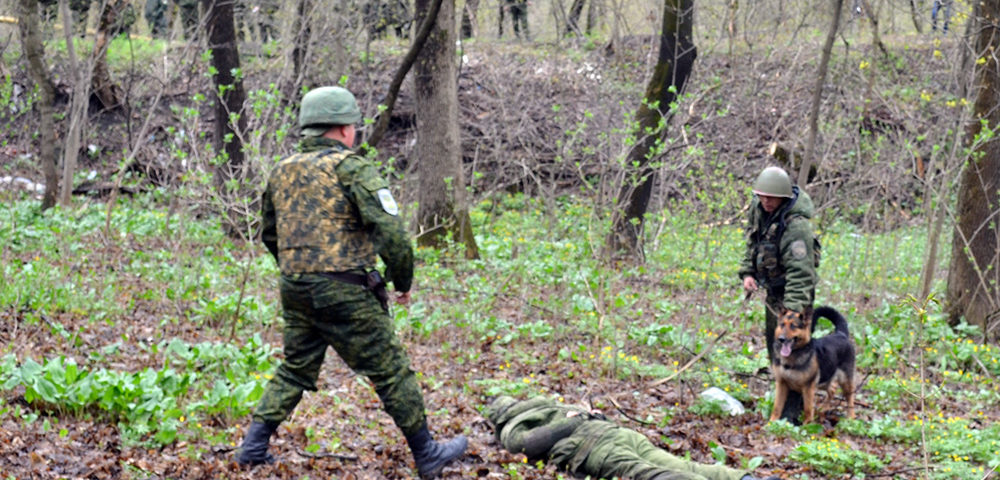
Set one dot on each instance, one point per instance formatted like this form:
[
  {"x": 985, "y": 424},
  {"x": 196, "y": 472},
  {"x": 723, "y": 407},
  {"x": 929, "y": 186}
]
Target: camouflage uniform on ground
[
  {"x": 585, "y": 443},
  {"x": 322, "y": 213}
]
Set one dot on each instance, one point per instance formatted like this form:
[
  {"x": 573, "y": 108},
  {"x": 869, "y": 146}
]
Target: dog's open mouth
[{"x": 786, "y": 348}]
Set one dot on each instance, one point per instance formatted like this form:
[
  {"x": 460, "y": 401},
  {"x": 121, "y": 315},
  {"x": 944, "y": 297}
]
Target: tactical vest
[
  {"x": 319, "y": 229},
  {"x": 767, "y": 255}
]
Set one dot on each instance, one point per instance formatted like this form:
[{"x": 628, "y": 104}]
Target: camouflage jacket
[
  {"x": 782, "y": 252},
  {"x": 326, "y": 209},
  {"x": 533, "y": 426}
]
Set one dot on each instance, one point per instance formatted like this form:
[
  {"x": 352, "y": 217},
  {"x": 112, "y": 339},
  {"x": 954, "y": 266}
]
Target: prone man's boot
[
  {"x": 431, "y": 456},
  {"x": 255, "y": 443}
]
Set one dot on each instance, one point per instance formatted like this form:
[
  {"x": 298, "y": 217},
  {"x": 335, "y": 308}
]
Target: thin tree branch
[{"x": 382, "y": 124}]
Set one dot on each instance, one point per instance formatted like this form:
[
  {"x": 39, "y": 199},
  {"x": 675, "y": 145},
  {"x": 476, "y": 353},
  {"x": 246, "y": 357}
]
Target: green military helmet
[
  {"x": 325, "y": 107},
  {"x": 774, "y": 182}
]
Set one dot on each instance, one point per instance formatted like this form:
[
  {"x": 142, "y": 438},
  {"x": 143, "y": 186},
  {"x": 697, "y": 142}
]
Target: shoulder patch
[
  {"x": 389, "y": 203},
  {"x": 799, "y": 249}
]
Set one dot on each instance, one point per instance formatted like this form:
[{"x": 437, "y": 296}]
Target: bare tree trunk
[
  {"x": 824, "y": 65},
  {"x": 876, "y": 36},
  {"x": 229, "y": 93},
  {"x": 470, "y": 18},
  {"x": 107, "y": 91},
  {"x": 573, "y": 18},
  {"x": 971, "y": 26},
  {"x": 31, "y": 41},
  {"x": 302, "y": 27},
  {"x": 594, "y": 16},
  {"x": 81, "y": 75},
  {"x": 673, "y": 67},
  {"x": 382, "y": 123},
  {"x": 230, "y": 123},
  {"x": 915, "y": 15},
  {"x": 443, "y": 206},
  {"x": 731, "y": 9},
  {"x": 974, "y": 275}
]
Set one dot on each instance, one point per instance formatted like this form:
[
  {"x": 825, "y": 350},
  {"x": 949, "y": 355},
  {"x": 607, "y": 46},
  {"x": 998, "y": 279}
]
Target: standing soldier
[
  {"x": 938, "y": 6},
  {"x": 326, "y": 214},
  {"x": 518, "y": 10},
  {"x": 782, "y": 255}
]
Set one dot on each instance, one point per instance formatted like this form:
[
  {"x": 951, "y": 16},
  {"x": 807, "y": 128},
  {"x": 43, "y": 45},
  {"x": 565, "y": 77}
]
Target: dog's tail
[{"x": 831, "y": 314}]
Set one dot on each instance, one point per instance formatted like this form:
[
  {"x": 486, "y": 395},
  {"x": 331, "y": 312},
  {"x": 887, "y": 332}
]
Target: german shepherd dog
[{"x": 805, "y": 364}]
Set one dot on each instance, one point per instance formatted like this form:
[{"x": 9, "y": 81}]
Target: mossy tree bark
[
  {"x": 443, "y": 206},
  {"x": 672, "y": 70},
  {"x": 974, "y": 273}
]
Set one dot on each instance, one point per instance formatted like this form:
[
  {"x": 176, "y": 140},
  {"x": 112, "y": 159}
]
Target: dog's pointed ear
[{"x": 795, "y": 318}]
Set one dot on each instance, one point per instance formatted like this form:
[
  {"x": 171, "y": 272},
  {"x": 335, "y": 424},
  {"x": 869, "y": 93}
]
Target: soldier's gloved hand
[
  {"x": 749, "y": 284},
  {"x": 402, "y": 298}
]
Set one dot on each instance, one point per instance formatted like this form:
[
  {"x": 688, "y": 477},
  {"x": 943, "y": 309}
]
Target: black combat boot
[
  {"x": 431, "y": 456},
  {"x": 254, "y": 448}
]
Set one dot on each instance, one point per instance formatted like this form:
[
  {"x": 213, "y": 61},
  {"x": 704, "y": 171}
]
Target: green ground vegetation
[{"x": 539, "y": 287}]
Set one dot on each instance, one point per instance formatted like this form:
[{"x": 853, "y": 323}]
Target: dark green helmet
[
  {"x": 325, "y": 107},
  {"x": 774, "y": 182}
]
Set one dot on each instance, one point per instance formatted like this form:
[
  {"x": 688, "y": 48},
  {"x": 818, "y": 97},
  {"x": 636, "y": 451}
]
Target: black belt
[
  {"x": 347, "y": 277},
  {"x": 371, "y": 281}
]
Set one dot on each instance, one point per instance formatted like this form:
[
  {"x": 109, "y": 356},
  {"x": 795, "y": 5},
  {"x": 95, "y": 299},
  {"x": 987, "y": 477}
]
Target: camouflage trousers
[
  {"x": 620, "y": 452},
  {"x": 321, "y": 312}
]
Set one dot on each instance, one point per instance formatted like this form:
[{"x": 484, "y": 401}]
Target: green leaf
[
  {"x": 719, "y": 453},
  {"x": 47, "y": 390}
]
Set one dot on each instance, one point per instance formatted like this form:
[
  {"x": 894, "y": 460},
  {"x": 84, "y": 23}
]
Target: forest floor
[{"x": 459, "y": 367}]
